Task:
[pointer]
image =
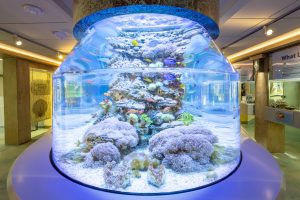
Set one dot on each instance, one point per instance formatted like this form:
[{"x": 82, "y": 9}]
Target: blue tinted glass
[{"x": 146, "y": 103}]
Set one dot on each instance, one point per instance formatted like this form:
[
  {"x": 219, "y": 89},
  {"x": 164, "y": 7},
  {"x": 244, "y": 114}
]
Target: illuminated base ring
[{"x": 33, "y": 177}]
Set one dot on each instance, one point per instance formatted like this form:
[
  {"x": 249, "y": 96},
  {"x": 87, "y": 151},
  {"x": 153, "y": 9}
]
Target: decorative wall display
[{"x": 40, "y": 95}]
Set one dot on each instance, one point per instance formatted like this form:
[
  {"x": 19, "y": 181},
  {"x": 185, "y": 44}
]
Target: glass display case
[{"x": 146, "y": 103}]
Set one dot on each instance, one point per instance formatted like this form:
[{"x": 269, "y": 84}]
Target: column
[
  {"x": 16, "y": 87},
  {"x": 268, "y": 134}
]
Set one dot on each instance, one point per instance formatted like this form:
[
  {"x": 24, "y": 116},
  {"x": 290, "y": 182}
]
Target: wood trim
[
  {"x": 25, "y": 54},
  {"x": 284, "y": 40}
]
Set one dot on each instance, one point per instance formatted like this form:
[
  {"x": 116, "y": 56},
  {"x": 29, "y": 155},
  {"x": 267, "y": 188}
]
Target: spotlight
[
  {"x": 60, "y": 56},
  {"x": 18, "y": 42},
  {"x": 268, "y": 31}
]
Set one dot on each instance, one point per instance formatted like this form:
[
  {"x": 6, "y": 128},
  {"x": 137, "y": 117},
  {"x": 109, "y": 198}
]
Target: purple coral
[
  {"x": 183, "y": 148},
  {"x": 122, "y": 134},
  {"x": 180, "y": 162},
  {"x": 101, "y": 154},
  {"x": 105, "y": 152}
]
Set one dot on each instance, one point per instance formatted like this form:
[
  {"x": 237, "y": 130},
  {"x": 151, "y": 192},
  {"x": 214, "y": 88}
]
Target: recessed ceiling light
[
  {"x": 17, "y": 40},
  {"x": 60, "y": 56},
  {"x": 34, "y": 10},
  {"x": 268, "y": 31},
  {"x": 60, "y": 34}
]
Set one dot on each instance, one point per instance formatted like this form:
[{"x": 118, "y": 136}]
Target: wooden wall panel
[{"x": 16, "y": 88}]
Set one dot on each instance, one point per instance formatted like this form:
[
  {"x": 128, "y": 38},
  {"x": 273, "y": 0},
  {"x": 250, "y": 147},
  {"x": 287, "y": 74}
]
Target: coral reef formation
[
  {"x": 183, "y": 148},
  {"x": 148, "y": 100},
  {"x": 145, "y": 100},
  {"x": 116, "y": 176},
  {"x": 156, "y": 174},
  {"x": 101, "y": 154},
  {"x": 222, "y": 155},
  {"x": 186, "y": 118},
  {"x": 137, "y": 161},
  {"x": 121, "y": 134},
  {"x": 146, "y": 124}
]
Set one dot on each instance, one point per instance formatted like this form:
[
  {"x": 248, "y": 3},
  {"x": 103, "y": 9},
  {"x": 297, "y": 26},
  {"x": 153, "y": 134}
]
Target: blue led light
[{"x": 83, "y": 24}]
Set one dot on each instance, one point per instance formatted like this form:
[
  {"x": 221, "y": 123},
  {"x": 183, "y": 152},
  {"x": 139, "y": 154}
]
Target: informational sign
[
  {"x": 40, "y": 95},
  {"x": 286, "y": 63}
]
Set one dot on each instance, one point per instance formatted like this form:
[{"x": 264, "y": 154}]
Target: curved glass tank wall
[{"x": 146, "y": 103}]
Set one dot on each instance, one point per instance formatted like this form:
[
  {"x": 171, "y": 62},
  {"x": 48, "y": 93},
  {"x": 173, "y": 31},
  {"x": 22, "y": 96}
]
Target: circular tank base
[{"x": 33, "y": 177}]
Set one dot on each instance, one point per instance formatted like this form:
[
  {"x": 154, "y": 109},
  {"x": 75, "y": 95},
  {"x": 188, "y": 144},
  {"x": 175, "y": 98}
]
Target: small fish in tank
[{"x": 163, "y": 114}]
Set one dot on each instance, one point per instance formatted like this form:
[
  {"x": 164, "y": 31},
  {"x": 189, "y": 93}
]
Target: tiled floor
[{"x": 289, "y": 162}]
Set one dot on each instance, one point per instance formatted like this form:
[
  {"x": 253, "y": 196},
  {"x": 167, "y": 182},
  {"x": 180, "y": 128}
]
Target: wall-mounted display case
[{"x": 284, "y": 87}]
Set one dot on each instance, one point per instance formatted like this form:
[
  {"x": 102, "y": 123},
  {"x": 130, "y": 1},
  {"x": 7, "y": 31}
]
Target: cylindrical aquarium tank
[{"x": 146, "y": 103}]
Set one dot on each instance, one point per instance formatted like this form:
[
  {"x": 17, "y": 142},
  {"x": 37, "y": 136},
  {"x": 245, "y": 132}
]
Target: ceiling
[
  {"x": 57, "y": 17},
  {"x": 240, "y": 17},
  {"x": 237, "y": 18}
]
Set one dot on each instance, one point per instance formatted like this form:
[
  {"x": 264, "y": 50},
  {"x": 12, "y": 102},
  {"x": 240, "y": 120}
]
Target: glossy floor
[
  {"x": 8, "y": 153},
  {"x": 289, "y": 161}
]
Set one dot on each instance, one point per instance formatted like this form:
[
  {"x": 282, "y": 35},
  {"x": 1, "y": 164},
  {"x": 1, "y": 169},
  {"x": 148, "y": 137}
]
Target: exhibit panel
[
  {"x": 146, "y": 103},
  {"x": 284, "y": 87},
  {"x": 40, "y": 98}
]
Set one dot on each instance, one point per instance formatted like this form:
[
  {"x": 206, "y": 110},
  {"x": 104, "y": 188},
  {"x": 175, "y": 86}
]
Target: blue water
[{"x": 133, "y": 78}]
